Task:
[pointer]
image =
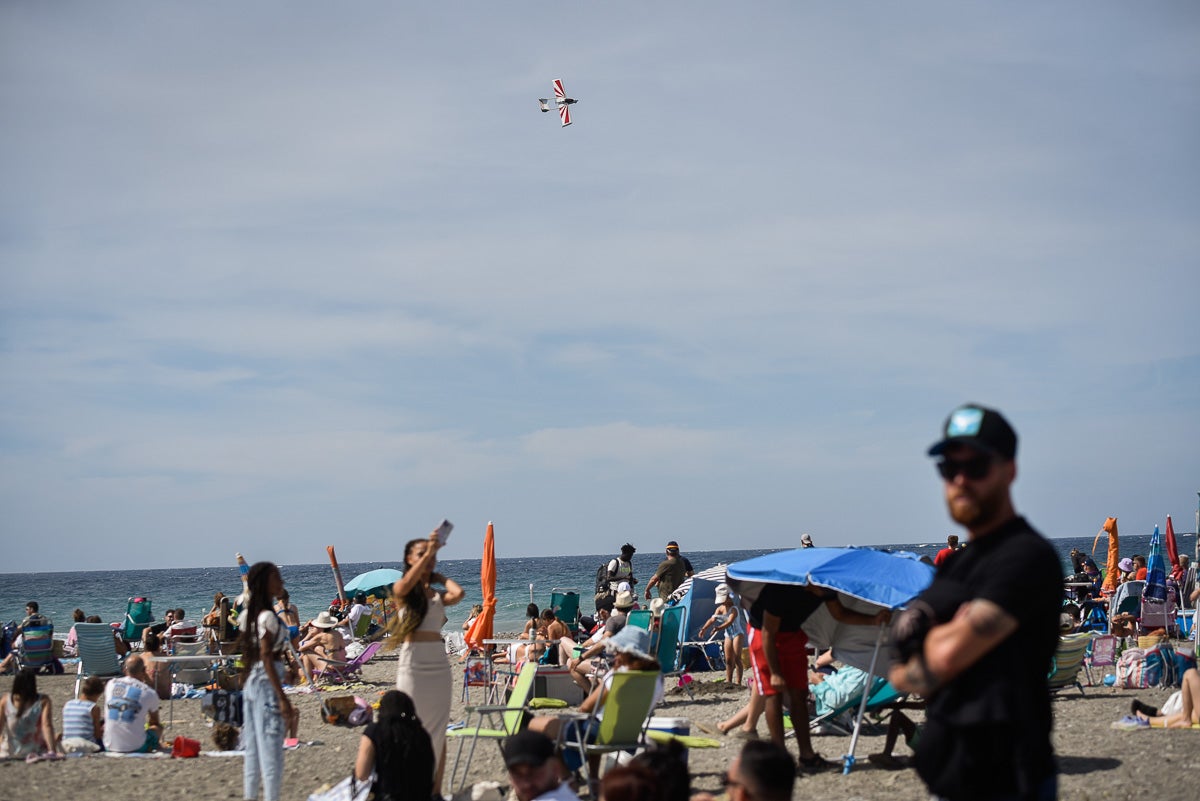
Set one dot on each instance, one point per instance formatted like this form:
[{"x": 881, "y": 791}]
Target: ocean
[{"x": 107, "y": 592}]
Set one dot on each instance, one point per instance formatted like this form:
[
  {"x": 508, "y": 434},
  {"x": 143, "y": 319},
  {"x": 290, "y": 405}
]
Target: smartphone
[{"x": 443, "y": 531}]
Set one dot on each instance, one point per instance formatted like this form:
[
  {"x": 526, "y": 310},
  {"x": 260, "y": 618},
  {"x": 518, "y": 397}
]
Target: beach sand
[{"x": 1096, "y": 761}]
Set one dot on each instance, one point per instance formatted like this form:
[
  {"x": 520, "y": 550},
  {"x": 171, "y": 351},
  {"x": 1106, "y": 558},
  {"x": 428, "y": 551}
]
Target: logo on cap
[{"x": 964, "y": 423}]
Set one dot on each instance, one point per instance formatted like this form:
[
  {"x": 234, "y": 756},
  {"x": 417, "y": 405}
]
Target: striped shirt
[{"x": 77, "y": 720}]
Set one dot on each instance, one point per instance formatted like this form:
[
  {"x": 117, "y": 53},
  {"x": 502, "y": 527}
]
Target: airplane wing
[
  {"x": 560, "y": 94},
  {"x": 564, "y": 113}
]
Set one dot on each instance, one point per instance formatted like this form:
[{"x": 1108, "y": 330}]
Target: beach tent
[
  {"x": 865, "y": 579},
  {"x": 697, "y": 595}
]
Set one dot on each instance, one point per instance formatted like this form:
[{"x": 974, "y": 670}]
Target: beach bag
[
  {"x": 1160, "y": 666},
  {"x": 348, "y": 789},
  {"x": 1131, "y": 669}
]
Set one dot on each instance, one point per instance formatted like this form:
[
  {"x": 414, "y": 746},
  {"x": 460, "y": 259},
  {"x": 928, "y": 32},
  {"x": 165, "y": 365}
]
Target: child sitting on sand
[{"x": 83, "y": 725}]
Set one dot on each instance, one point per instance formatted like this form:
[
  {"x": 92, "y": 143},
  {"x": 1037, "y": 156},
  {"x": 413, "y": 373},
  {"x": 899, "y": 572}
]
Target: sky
[{"x": 275, "y": 276}]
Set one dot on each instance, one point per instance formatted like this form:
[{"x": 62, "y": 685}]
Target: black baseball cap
[
  {"x": 978, "y": 427},
  {"x": 527, "y": 747}
]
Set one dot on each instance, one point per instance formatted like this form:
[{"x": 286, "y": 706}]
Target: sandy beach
[{"x": 1096, "y": 761}]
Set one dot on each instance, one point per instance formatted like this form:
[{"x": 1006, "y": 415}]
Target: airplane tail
[{"x": 544, "y": 103}]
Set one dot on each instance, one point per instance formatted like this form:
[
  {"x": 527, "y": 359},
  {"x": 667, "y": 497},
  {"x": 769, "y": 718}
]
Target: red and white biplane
[{"x": 561, "y": 101}]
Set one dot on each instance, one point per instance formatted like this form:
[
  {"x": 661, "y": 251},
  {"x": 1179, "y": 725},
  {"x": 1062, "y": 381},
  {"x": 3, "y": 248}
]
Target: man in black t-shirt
[{"x": 977, "y": 643}]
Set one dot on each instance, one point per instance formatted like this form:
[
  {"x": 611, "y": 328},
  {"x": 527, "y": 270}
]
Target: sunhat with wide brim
[
  {"x": 624, "y": 600},
  {"x": 1125, "y": 565},
  {"x": 630, "y": 640},
  {"x": 325, "y": 621}
]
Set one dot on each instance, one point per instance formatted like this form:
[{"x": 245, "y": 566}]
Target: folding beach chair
[
  {"x": 97, "y": 652},
  {"x": 565, "y": 603},
  {"x": 1153, "y": 615},
  {"x": 833, "y": 718},
  {"x": 1067, "y": 661},
  {"x": 137, "y": 617},
  {"x": 193, "y": 675},
  {"x": 1093, "y": 617},
  {"x": 1101, "y": 654},
  {"x": 512, "y": 719},
  {"x": 36, "y": 651},
  {"x": 665, "y": 641},
  {"x": 623, "y": 727},
  {"x": 639, "y": 618},
  {"x": 338, "y": 672}
]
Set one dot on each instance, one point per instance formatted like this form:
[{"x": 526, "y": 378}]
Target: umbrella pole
[{"x": 848, "y": 759}]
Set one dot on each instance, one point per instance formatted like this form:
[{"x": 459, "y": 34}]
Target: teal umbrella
[{"x": 374, "y": 580}]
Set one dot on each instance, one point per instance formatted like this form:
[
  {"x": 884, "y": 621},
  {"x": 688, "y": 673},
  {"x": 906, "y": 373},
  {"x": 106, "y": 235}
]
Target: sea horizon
[{"x": 311, "y": 585}]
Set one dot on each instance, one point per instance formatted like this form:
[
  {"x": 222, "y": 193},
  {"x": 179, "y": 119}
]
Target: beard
[{"x": 972, "y": 511}]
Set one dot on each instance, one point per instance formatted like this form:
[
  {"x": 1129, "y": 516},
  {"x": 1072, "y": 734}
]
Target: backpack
[
  {"x": 1161, "y": 666},
  {"x": 602, "y": 578}
]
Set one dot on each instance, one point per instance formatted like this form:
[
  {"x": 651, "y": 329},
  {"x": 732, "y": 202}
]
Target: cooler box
[
  {"x": 1186, "y": 618},
  {"x": 555, "y": 682},
  {"x": 680, "y": 726}
]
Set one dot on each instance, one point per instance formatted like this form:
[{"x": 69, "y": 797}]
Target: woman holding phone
[{"x": 416, "y": 633}]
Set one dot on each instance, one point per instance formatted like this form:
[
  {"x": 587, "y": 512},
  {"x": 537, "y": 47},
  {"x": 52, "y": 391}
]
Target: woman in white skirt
[{"x": 416, "y": 634}]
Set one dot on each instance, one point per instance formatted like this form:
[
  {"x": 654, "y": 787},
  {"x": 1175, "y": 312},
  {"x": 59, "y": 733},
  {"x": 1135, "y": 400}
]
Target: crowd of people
[{"x": 973, "y": 646}]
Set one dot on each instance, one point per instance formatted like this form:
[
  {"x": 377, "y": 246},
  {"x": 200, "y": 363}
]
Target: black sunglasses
[{"x": 973, "y": 469}]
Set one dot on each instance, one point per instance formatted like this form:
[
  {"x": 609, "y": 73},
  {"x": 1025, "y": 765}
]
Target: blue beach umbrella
[
  {"x": 865, "y": 578},
  {"x": 879, "y": 578},
  {"x": 373, "y": 580},
  {"x": 1156, "y": 571}
]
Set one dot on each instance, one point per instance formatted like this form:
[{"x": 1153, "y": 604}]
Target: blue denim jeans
[{"x": 262, "y": 735}]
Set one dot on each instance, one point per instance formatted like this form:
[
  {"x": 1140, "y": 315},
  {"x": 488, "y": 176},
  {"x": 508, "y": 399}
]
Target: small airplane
[{"x": 561, "y": 101}]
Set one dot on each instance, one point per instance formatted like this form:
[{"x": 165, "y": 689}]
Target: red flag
[{"x": 1173, "y": 552}]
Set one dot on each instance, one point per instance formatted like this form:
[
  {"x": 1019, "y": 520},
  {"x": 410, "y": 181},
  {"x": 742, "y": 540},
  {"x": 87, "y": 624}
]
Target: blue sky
[{"x": 281, "y": 275}]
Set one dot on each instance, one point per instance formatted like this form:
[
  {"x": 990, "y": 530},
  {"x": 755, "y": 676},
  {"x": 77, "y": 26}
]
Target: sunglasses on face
[{"x": 972, "y": 469}]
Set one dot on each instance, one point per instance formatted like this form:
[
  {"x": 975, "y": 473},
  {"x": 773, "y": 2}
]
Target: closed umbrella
[
  {"x": 1156, "y": 571},
  {"x": 867, "y": 579},
  {"x": 481, "y": 629},
  {"x": 1173, "y": 552}
]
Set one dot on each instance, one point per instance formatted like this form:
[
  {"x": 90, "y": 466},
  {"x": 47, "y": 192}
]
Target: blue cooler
[{"x": 1186, "y": 618}]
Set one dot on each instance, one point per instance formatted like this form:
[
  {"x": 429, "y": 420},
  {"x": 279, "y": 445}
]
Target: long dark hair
[
  {"x": 24, "y": 688},
  {"x": 415, "y": 603},
  {"x": 258, "y": 586},
  {"x": 403, "y": 750}
]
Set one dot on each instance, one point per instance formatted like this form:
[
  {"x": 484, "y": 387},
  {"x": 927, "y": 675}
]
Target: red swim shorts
[{"x": 793, "y": 660}]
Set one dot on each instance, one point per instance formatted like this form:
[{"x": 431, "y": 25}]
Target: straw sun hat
[{"x": 325, "y": 621}]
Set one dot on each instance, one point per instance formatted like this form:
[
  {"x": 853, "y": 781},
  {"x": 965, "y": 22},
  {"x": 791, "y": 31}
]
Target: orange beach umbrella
[
  {"x": 1114, "y": 555},
  {"x": 481, "y": 629}
]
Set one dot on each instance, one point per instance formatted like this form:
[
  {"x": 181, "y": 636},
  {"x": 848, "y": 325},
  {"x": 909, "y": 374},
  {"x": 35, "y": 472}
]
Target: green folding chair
[
  {"x": 512, "y": 719},
  {"x": 1067, "y": 661},
  {"x": 639, "y": 618},
  {"x": 623, "y": 728}
]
